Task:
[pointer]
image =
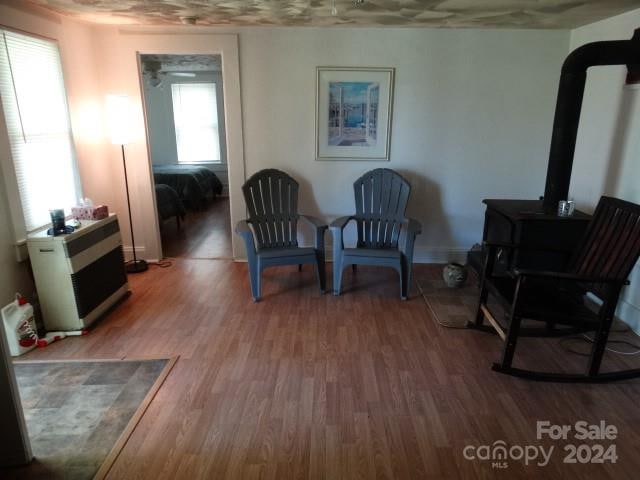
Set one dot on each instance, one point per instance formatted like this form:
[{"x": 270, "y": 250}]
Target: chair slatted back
[
  {"x": 611, "y": 245},
  {"x": 272, "y": 200},
  {"x": 381, "y": 200}
]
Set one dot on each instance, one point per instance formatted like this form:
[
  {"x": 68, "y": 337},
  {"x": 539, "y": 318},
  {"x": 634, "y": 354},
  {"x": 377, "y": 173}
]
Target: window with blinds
[
  {"x": 38, "y": 127},
  {"x": 195, "y": 116}
]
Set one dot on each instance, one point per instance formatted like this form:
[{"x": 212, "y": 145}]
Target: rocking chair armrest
[
  {"x": 314, "y": 222},
  {"x": 340, "y": 223},
  {"x": 521, "y": 272}
]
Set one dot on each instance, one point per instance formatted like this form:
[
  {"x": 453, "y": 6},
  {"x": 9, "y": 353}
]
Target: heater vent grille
[{"x": 97, "y": 281}]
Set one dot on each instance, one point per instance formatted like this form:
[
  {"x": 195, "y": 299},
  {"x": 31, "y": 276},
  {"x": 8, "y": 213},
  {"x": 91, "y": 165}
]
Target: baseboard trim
[
  {"x": 424, "y": 254},
  {"x": 128, "y": 253}
]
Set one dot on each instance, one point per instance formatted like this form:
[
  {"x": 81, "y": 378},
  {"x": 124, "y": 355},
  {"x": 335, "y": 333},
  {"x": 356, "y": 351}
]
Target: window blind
[
  {"x": 195, "y": 116},
  {"x": 37, "y": 118}
]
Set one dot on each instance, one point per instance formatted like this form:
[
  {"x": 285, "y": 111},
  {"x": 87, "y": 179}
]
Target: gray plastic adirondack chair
[
  {"x": 270, "y": 233},
  {"x": 381, "y": 197}
]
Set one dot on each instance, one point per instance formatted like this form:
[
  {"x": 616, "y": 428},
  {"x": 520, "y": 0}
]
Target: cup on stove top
[{"x": 566, "y": 208}]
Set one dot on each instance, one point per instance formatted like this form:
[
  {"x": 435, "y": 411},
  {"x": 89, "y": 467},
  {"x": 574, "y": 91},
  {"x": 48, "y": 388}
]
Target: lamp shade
[{"x": 119, "y": 119}]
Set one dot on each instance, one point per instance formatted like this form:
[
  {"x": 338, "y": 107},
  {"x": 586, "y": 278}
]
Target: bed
[
  {"x": 169, "y": 204},
  {"x": 194, "y": 185}
]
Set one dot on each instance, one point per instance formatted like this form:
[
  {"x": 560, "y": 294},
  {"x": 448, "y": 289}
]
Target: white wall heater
[{"x": 80, "y": 275}]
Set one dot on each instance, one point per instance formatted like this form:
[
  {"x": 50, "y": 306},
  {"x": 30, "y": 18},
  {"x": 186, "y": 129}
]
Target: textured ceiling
[{"x": 429, "y": 13}]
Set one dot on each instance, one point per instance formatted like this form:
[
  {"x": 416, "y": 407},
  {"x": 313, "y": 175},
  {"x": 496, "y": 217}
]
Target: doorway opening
[{"x": 184, "y": 109}]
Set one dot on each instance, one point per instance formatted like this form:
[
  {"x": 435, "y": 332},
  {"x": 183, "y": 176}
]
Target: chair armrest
[
  {"x": 314, "y": 222},
  {"x": 243, "y": 229},
  {"x": 413, "y": 226},
  {"x": 337, "y": 227},
  {"x": 340, "y": 223},
  {"x": 521, "y": 272},
  {"x": 412, "y": 229},
  {"x": 320, "y": 227}
]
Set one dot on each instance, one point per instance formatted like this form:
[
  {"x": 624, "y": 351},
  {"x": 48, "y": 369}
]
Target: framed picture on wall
[{"x": 353, "y": 113}]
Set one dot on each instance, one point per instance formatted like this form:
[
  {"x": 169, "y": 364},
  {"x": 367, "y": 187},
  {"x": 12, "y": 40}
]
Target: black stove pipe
[{"x": 569, "y": 104}]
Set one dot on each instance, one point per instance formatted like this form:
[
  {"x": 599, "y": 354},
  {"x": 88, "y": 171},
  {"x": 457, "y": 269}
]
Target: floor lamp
[{"x": 119, "y": 129}]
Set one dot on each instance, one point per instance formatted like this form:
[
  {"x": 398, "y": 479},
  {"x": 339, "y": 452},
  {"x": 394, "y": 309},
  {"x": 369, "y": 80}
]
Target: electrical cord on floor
[
  {"x": 587, "y": 339},
  {"x": 166, "y": 262}
]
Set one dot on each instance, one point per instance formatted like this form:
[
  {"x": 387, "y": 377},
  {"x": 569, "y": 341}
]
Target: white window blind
[
  {"x": 195, "y": 115},
  {"x": 37, "y": 118}
]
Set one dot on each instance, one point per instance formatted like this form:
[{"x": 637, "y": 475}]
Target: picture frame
[{"x": 354, "y": 107}]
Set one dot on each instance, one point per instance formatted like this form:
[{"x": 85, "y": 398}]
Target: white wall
[
  {"x": 472, "y": 118},
  {"x": 607, "y": 159}
]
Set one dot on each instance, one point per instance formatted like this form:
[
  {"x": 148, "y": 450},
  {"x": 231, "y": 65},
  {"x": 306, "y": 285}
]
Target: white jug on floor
[{"x": 19, "y": 326}]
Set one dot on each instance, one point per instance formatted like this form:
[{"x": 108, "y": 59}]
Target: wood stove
[
  {"x": 543, "y": 241},
  {"x": 540, "y": 239}
]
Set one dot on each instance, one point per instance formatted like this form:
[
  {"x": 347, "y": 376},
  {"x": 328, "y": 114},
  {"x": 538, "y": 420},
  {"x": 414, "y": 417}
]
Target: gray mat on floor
[{"x": 76, "y": 411}]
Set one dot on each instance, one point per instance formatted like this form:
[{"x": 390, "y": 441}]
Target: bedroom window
[
  {"x": 195, "y": 116},
  {"x": 42, "y": 170}
]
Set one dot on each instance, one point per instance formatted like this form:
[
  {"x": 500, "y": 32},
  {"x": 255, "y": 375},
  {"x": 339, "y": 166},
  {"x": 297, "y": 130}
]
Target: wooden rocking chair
[{"x": 600, "y": 266}]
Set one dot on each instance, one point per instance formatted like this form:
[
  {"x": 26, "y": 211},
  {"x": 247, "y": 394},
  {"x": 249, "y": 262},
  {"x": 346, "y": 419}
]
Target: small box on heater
[{"x": 96, "y": 212}]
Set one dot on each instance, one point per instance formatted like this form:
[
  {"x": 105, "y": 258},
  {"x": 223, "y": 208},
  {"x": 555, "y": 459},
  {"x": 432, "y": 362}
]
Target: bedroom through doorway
[{"x": 184, "y": 109}]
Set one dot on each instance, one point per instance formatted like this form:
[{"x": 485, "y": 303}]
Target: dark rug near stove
[{"x": 80, "y": 413}]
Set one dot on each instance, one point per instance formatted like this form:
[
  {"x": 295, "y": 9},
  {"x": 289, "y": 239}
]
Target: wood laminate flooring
[
  {"x": 202, "y": 234},
  {"x": 310, "y": 386}
]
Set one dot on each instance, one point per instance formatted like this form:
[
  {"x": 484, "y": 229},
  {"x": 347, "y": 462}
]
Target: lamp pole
[
  {"x": 136, "y": 266},
  {"x": 119, "y": 117}
]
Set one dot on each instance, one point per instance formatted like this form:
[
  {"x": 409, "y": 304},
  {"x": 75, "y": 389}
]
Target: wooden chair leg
[
  {"x": 487, "y": 269},
  {"x": 484, "y": 294},
  {"x": 299, "y": 267},
  {"x": 354, "y": 268},
  {"x": 599, "y": 345},
  {"x": 510, "y": 342}
]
